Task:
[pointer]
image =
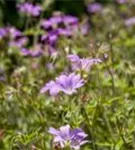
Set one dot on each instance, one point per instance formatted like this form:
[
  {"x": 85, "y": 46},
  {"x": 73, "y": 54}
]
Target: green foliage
[{"x": 104, "y": 108}]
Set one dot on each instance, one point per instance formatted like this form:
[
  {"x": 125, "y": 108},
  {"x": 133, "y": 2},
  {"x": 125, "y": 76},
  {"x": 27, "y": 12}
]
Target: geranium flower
[
  {"x": 94, "y": 7},
  {"x": 130, "y": 21},
  {"x": 30, "y": 9},
  {"x": 82, "y": 64},
  {"x": 69, "y": 83},
  {"x": 65, "y": 136},
  {"x": 64, "y": 83}
]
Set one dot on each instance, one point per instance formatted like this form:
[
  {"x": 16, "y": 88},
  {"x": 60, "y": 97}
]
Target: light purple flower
[
  {"x": 82, "y": 63},
  {"x": 3, "y": 32},
  {"x": 18, "y": 43},
  {"x": 69, "y": 83},
  {"x": 50, "y": 66},
  {"x": 65, "y": 32},
  {"x": 36, "y": 51},
  {"x": 46, "y": 24},
  {"x": 65, "y": 136},
  {"x": 121, "y": 1},
  {"x": 25, "y": 51},
  {"x": 56, "y": 20},
  {"x": 30, "y": 9},
  {"x": 51, "y": 22},
  {"x": 14, "y": 33},
  {"x": 130, "y": 21},
  {"x": 51, "y": 37},
  {"x": 52, "y": 87},
  {"x": 70, "y": 20},
  {"x": 84, "y": 29},
  {"x": 94, "y": 7},
  {"x": 64, "y": 83}
]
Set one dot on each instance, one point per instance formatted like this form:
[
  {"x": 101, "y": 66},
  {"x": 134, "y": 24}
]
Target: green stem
[
  {"x": 27, "y": 23},
  {"x": 85, "y": 115},
  {"x": 67, "y": 148},
  {"x": 119, "y": 130},
  {"x": 109, "y": 125}
]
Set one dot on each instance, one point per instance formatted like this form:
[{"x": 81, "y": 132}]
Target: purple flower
[
  {"x": 52, "y": 22},
  {"x": 56, "y": 20},
  {"x": 14, "y": 33},
  {"x": 94, "y": 7},
  {"x": 52, "y": 87},
  {"x": 3, "y": 32},
  {"x": 30, "y": 9},
  {"x": 51, "y": 37},
  {"x": 121, "y": 1},
  {"x": 130, "y": 21},
  {"x": 69, "y": 83},
  {"x": 70, "y": 20},
  {"x": 46, "y": 24},
  {"x": 84, "y": 29},
  {"x": 65, "y": 136},
  {"x": 82, "y": 63},
  {"x": 18, "y": 43},
  {"x": 36, "y": 51},
  {"x": 65, "y": 32},
  {"x": 65, "y": 83},
  {"x": 25, "y": 51}
]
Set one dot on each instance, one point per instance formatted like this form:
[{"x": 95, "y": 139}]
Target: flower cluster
[
  {"x": 36, "y": 51},
  {"x": 61, "y": 25},
  {"x": 66, "y": 137},
  {"x": 64, "y": 83},
  {"x": 16, "y": 37},
  {"x": 30, "y": 9}
]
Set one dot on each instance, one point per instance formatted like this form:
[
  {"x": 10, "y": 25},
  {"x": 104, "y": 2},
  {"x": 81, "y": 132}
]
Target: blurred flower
[
  {"x": 34, "y": 65},
  {"x": 84, "y": 29},
  {"x": 50, "y": 66},
  {"x": 121, "y": 1},
  {"x": 51, "y": 37},
  {"x": 52, "y": 52},
  {"x": 36, "y": 51},
  {"x": 130, "y": 21},
  {"x": 56, "y": 20},
  {"x": 25, "y": 51},
  {"x": 30, "y": 9},
  {"x": 64, "y": 136},
  {"x": 14, "y": 33},
  {"x": 18, "y": 43},
  {"x": 52, "y": 87},
  {"x": 2, "y": 75},
  {"x": 3, "y": 32},
  {"x": 46, "y": 24},
  {"x": 65, "y": 32},
  {"x": 65, "y": 83},
  {"x": 16, "y": 38},
  {"x": 94, "y": 7},
  {"x": 70, "y": 20},
  {"x": 82, "y": 63}
]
